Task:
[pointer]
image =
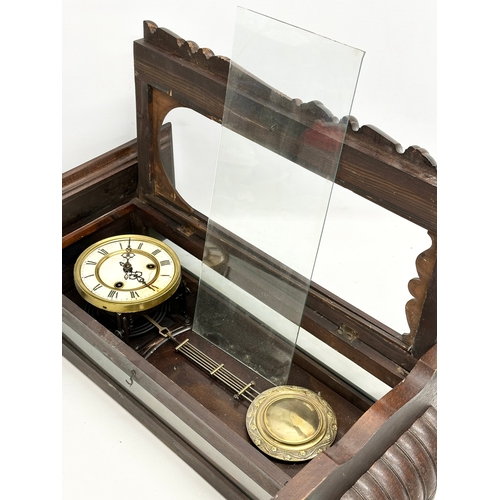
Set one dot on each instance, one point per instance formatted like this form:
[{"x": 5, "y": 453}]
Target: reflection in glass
[{"x": 280, "y": 146}]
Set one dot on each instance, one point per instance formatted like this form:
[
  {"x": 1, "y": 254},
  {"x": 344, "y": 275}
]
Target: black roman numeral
[
  {"x": 102, "y": 251},
  {"x": 113, "y": 294},
  {"x": 134, "y": 294},
  {"x": 164, "y": 263},
  {"x": 156, "y": 252}
]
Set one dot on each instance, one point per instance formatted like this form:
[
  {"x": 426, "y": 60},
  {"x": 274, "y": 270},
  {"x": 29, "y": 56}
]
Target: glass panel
[{"x": 279, "y": 151}]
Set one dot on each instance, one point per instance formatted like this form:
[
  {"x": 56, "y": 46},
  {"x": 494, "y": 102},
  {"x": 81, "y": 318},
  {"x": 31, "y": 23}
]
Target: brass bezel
[
  {"x": 128, "y": 306},
  {"x": 263, "y": 431}
]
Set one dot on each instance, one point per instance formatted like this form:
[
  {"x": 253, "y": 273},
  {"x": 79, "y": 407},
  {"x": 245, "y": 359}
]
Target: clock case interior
[{"x": 131, "y": 189}]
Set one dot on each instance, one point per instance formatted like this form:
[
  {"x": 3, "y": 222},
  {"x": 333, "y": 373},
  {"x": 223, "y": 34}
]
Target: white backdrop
[{"x": 396, "y": 93}]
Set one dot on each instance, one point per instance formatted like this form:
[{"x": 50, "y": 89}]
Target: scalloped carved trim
[
  {"x": 418, "y": 286},
  {"x": 416, "y": 157},
  {"x": 188, "y": 50},
  {"x": 407, "y": 470}
]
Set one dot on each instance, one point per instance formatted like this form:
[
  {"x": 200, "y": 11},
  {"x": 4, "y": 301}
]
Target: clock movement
[{"x": 173, "y": 313}]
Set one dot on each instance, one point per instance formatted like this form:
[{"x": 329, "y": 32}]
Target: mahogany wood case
[{"x": 384, "y": 449}]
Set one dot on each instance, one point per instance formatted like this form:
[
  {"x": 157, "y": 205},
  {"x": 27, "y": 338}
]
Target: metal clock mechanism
[{"x": 132, "y": 284}]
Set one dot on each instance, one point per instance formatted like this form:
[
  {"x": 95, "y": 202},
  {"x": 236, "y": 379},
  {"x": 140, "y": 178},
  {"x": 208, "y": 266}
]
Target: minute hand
[{"x": 137, "y": 275}]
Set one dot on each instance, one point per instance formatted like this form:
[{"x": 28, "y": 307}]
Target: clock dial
[{"x": 127, "y": 273}]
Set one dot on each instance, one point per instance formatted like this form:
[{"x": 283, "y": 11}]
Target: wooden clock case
[{"x": 384, "y": 449}]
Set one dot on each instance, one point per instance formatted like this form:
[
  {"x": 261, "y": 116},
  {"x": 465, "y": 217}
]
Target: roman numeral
[
  {"x": 102, "y": 251},
  {"x": 91, "y": 263},
  {"x": 134, "y": 294},
  {"x": 156, "y": 252},
  {"x": 97, "y": 287},
  {"x": 140, "y": 245},
  {"x": 164, "y": 263},
  {"x": 112, "y": 294}
]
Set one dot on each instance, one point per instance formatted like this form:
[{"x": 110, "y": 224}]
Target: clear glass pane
[{"x": 288, "y": 100}]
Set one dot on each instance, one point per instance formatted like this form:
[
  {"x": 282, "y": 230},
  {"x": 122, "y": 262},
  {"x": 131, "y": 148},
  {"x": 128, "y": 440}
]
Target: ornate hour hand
[
  {"x": 135, "y": 275},
  {"x": 127, "y": 266},
  {"x": 130, "y": 274}
]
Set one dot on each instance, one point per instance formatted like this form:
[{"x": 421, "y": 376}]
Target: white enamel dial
[{"x": 127, "y": 273}]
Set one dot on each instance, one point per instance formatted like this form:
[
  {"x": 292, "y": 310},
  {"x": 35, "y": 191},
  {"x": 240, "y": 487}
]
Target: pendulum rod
[
  {"x": 216, "y": 370},
  {"x": 150, "y": 347}
]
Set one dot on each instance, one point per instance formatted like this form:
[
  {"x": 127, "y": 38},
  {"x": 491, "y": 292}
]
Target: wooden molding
[
  {"x": 407, "y": 470},
  {"x": 420, "y": 288}
]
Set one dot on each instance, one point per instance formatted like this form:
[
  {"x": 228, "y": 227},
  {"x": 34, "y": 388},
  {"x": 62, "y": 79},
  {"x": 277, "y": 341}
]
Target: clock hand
[
  {"x": 129, "y": 271},
  {"x": 137, "y": 275},
  {"x": 127, "y": 266}
]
